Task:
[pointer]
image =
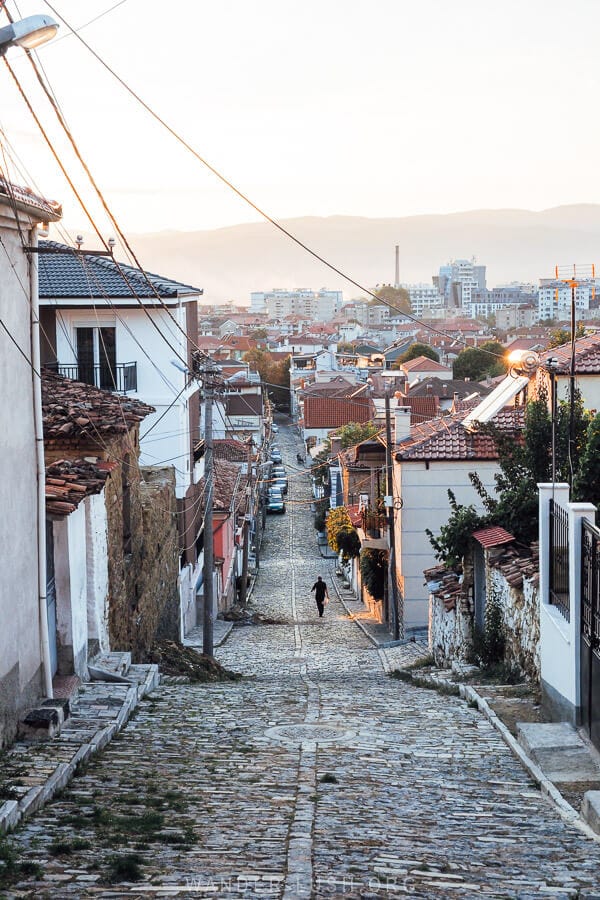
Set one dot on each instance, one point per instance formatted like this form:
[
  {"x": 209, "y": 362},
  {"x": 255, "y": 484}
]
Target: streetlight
[{"x": 28, "y": 33}]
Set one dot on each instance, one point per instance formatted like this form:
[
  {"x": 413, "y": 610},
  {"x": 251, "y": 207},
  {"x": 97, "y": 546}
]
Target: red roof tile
[
  {"x": 424, "y": 364},
  {"x": 447, "y": 438},
  {"x": 68, "y": 482},
  {"x": 587, "y": 356},
  {"x": 492, "y": 537},
  {"x": 75, "y": 411},
  {"x": 333, "y": 412}
]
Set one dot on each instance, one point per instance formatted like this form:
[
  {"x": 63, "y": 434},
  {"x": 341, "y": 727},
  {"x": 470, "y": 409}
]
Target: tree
[
  {"x": 475, "y": 363},
  {"x": 355, "y": 432},
  {"x": 415, "y": 350},
  {"x": 260, "y": 334},
  {"x": 275, "y": 374},
  {"x": 562, "y": 336},
  {"x": 341, "y": 533},
  {"x": 373, "y": 570},
  {"x": 586, "y": 487},
  {"x": 398, "y": 298}
]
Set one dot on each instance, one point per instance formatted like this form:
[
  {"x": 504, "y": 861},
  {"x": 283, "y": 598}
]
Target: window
[{"x": 97, "y": 357}]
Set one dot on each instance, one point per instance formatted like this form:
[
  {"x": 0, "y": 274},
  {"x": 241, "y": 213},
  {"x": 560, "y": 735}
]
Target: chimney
[
  {"x": 336, "y": 445},
  {"x": 402, "y": 414},
  {"x": 397, "y": 285}
]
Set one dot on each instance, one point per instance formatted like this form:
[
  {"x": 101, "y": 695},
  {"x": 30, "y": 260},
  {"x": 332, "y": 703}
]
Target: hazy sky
[{"x": 320, "y": 107}]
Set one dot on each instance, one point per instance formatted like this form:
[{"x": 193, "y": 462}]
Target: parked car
[
  {"x": 275, "y": 428},
  {"x": 279, "y": 478},
  {"x": 275, "y": 502},
  {"x": 276, "y": 456}
]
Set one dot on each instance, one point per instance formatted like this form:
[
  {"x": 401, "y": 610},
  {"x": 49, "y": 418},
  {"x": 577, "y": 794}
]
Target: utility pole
[
  {"x": 574, "y": 280},
  {"x": 247, "y": 517},
  {"x": 389, "y": 502},
  {"x": 207, "y": 371}
]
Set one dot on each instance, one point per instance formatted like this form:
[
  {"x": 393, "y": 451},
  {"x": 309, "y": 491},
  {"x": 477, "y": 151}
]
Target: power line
[{"x": 261, "y": 212}]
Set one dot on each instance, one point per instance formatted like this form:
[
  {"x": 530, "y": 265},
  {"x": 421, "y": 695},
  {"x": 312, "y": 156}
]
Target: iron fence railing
[
  {"x": 559, "y": 560},
  {"x": 590, "y": 584},
  {"x": 120, "y": 378}
]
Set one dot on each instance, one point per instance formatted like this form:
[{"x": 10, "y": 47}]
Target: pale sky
[{"x": 319, "y": 107}]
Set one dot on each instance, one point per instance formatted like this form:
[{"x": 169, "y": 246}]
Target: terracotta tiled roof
[
  {"x": 421, "y": 408},
  {"x": 335, "y": 387},
  {"x": 517, "y": 563},
  {"x": 492, "y": 537},
  {"x": 587, "y": 356},
  {"x": 424, "y": 364},
  {"x": 447, "y": 438},
  {"x": 229, "y": 487},
  {"x": 68, "y": 482},
  {"x": 229, "y": 448},
  {"x": 25, "y": 200},
  {"x": 449, "y": 586},
  {"x": 73, "y": 410},
  {"x": 333, "y": 412},
  {"x": 70, "y": 273}
]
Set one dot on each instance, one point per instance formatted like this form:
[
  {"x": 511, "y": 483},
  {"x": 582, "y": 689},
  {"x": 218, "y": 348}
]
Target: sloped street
[{"x": 315, "y": 776}]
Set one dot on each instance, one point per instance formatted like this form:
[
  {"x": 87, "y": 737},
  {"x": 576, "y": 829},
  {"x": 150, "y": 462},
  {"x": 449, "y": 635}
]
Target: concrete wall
[
  {"x": 20, "y": 649},
  {"x": 424, "y": 492}
]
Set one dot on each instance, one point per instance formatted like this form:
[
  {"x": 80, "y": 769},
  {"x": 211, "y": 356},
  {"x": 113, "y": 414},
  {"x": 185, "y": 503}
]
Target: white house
[
  {"x": 118, "y": 328},
  {"x": 25, "y": 664},
  {"x": 433, "y": 458}
]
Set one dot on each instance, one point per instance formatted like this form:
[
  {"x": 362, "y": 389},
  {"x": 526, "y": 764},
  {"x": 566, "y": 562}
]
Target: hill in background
[{"x": 514, "y": 245}]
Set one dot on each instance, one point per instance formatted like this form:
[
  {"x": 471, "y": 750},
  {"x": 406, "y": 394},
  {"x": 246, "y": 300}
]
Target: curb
[
  {"x": 366, "y": 633},
  {"x": 549, "y": 790},
  {"x": 12, "y": 812}
]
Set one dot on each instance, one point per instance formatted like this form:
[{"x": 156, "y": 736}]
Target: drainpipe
[{"x": 41, "y": 471}]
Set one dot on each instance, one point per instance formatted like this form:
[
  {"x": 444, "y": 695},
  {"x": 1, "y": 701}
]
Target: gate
[{"x": 590, "y": 631}]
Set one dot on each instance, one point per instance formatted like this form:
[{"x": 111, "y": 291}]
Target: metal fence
[
  {"x": 559, "y": 560},
  {"x": 590, "y": 585}
]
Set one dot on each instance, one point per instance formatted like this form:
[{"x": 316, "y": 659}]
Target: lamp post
[{"x": 28, "y": 33}]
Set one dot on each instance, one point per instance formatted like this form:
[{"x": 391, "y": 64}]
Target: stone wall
[
  {"x": 159, "y": 601},
  {"x": 521, "y": 619},
  {"x": 450, "y": 631}
]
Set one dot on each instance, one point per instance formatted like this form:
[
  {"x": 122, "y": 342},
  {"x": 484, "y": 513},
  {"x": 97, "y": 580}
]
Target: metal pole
[
  {"x": 391, "y": 524},
  {"x": 572, "y": 388},
  {"x": 208, "y": 565}
]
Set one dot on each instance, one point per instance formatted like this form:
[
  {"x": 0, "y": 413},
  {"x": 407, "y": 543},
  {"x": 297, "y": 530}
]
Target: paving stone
[{"x": 417, "y": 795}]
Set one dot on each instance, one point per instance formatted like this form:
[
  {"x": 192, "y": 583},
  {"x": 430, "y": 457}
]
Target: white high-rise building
[
  {"x": 554, "y": 299},
  {"x": 316, "y": 305},
  {"x": 458, "y": 280},
  {"x": 423, "y": 298}
]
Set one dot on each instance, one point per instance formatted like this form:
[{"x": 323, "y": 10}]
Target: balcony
[
  {"x": 121, "y": 378},
  {"x": 374, "y": 523}
]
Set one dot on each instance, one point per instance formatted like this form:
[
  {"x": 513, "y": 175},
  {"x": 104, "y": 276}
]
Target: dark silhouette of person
[{"x": 320, "y": 589}]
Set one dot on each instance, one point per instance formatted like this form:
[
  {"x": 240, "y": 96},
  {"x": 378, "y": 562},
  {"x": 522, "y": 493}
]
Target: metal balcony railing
[
  {"x": 374, "y": 523},
  {"x": 121, "y": 378}
]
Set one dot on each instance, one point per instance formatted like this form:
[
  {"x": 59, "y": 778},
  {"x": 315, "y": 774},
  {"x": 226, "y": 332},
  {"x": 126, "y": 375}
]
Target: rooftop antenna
[
  {"x": 111, "y": 244},
  {"x": 79, "y": 241}
]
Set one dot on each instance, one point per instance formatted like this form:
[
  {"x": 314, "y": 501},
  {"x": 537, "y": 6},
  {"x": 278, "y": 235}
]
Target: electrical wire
[{"x": 244, "y": 197}]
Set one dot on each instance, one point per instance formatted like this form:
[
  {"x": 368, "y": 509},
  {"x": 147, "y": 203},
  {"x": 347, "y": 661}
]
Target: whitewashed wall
[
  {"x": 424, "y": 492},
  {"x": 97, "y": 573}
]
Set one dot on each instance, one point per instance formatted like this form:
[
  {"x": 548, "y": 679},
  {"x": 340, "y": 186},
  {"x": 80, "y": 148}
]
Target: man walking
[{"x": 321, "y": 592}]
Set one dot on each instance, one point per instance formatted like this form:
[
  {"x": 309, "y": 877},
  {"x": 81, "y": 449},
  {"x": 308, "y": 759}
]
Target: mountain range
[{"x": 515, "y": 245}]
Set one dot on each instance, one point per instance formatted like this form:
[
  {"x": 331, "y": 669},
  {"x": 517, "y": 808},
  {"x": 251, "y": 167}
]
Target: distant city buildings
[
  {"x": 554, "y": 299},
  {"x": 319, "y": 306}
]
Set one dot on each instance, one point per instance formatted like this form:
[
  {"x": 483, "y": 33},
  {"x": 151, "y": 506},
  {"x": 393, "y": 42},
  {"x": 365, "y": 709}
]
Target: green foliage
[
  {"x": 355, "y": 432},
  {"x": 415, "y": 350},
  {"x": 341, "y": 534},
  {"x": 586, "y": 487},
  {"x": 454, "y": 538},
  {"x": 125, "y": 867},
  {"x": 399, "y": 298},
  {"x": 275, "y": 374},
  {"x": 563, "y": 335},
  {"x": 321, "y": 507},
  {"x": 373, "y": 570},
  {"x": 320, "y": 466},
  {"x": 489, "y": 644},
  {"x": 477, "y": 362}
]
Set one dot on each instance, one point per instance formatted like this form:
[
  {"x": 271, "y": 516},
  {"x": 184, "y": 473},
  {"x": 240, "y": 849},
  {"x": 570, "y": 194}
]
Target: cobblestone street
[{"x": 315, "y": 776}]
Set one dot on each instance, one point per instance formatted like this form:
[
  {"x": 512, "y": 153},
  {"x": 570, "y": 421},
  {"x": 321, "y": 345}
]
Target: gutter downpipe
[{"x": 41, "y": 471}]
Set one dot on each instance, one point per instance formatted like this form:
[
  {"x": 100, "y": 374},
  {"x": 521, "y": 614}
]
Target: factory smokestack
[{"x": 397, "y": 280}]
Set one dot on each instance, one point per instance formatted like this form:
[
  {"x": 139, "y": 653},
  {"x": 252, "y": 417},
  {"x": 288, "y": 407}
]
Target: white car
[{"x": 275, "y": 428}]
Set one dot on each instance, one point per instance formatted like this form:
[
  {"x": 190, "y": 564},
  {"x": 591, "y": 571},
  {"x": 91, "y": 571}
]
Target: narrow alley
[{"x": 314, "y": 776}]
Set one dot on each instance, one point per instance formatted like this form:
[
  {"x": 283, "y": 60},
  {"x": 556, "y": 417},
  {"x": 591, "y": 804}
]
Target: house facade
[
  {"x": 25, "y": 668},
  {"x": 117, "y": 328}
]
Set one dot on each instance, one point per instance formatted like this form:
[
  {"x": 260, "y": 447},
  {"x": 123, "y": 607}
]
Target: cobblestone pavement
[{"x": 315, "y": 776}]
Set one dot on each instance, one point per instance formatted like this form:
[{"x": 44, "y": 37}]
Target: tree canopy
[
  {"x": 561, "y": 336},
  {"x": 475, "y": 363},
  {"x": 399, "y": 298},
  {"x": 355, "y": 432}
]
